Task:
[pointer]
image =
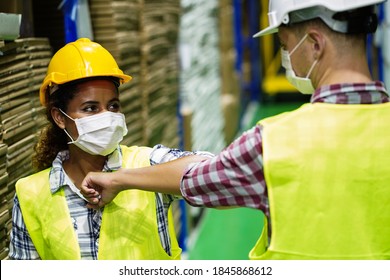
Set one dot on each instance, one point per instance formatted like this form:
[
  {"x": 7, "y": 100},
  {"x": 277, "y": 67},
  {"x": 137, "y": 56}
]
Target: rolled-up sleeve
[{"x": 235, "y": 177}]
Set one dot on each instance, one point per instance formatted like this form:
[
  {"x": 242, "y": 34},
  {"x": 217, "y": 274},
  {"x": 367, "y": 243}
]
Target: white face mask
[
  {"x": 99, "y": 134},
  {"x": 304, "y": 85}
]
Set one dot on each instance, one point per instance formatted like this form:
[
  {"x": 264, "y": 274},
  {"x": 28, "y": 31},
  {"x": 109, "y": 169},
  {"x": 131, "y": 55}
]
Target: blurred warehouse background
[{"x": 199, "y": 79}]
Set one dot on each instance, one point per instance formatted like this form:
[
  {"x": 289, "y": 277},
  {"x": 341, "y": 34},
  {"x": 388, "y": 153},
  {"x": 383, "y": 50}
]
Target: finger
[
  {"x": 87, "y": 189},
  {"x": 87, "y": 185},
  {"x": 93, "y": 200},
  {"x": 93, "y": 205},
  {"x": 89, "y": 194}
]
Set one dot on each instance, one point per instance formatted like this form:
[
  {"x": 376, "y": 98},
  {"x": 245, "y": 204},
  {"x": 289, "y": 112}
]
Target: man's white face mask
[
  {"x": 99, "y": 134},
  {"x": 304, "y": 85}
]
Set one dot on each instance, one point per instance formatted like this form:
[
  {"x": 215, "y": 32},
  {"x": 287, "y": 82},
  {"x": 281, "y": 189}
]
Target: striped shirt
[
  {"x": 87, "y": 222},
  {"x": 235, "y": 177}
]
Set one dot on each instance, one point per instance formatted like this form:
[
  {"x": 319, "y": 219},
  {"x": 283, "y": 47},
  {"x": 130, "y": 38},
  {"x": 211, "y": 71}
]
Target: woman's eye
[
  {"x": 90, "y": 109},
  {"x": 114, "y": 107}
]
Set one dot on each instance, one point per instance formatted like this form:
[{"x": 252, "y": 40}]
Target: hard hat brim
[
  {"x": 266, "y": 31},
  {"x": 123, "y": 78}
]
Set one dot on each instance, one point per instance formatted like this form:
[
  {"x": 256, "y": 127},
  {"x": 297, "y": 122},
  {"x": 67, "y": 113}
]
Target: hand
[{"x": 98, "y": 188}]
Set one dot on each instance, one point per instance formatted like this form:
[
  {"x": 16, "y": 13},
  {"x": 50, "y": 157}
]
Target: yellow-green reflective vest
[
  {"x": 129, "y": 222},
  {"x": 327, "y": 169}
]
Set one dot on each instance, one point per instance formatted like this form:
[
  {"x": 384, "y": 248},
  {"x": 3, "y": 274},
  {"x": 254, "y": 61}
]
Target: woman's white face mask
[
  {"x": 99, "y": 134},
  {"x": 304, "y": 85}
]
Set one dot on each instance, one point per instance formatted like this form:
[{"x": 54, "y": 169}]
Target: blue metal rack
[
  {"x": 246, "y": 18},
  {"x": 77, "y": 22},
  {"x": 70, "y": 24}
]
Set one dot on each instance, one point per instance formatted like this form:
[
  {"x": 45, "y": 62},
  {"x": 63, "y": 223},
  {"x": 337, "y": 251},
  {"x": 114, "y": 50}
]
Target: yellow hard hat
[{"x": 77, "y": 60}]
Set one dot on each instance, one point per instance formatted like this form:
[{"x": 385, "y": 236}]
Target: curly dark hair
[{"x": 53, "y": 139}]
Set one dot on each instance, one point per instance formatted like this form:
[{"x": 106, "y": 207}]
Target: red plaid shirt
[{"x": 235, "y": 177}]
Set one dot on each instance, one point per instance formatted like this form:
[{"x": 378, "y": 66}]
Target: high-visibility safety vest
[
  {"x": 129, "y": 222},
  {"x": 327, "y": 169}
]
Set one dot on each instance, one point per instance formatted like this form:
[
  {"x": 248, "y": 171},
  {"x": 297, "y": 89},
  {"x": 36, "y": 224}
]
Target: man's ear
[
  {"x": 318, "y": 42},
  {"x": 58, "y": 117}
]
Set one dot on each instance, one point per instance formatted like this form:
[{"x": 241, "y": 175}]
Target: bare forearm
[{"x": 163, "y": 178}]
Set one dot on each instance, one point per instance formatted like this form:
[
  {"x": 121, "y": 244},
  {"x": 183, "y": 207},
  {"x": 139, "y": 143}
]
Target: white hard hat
[{"x": 279, "y": 10}]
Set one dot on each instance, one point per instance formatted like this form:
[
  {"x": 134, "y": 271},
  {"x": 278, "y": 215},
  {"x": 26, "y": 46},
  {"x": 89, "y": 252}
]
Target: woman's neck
[{"x": 80, "y": 163}]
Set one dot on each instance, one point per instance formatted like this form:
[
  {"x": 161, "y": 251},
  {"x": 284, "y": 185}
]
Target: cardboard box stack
[
  {"x": 23, "y": 65},
  {"x": 116, "y": 26},
  {"x": 160, "y": 72},
  {"x": 142, "y": 36}
]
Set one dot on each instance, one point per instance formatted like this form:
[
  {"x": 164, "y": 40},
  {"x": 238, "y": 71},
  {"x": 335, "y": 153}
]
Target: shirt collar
[
  {"x": 57, "y": 176},
  {"x": 352, "y": 93}
]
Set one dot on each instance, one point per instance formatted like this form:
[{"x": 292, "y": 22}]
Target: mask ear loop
[
  {"x": 299, "y": 43},
  {"x": 311, "y": 68},
  {"x": 66, "y": 114},
  {"x": 296, "y": 47},
  {"x": 71, "y": 142},
  {"x": 66, "y": 132}
]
